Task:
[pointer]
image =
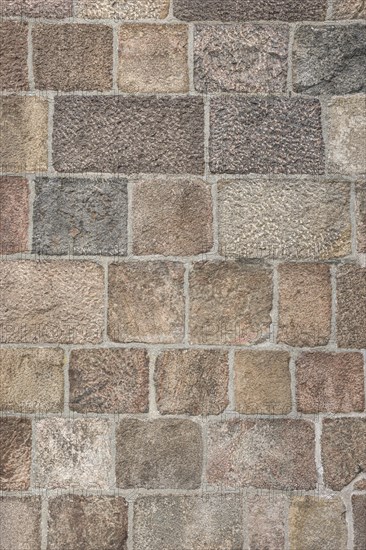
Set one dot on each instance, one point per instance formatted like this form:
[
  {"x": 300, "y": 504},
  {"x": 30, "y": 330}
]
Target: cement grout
[
  {"x": 153, "y": 409},
  {"x": 187, "y": 269},
  {"x": 44, "y": 522},
  {"x": 333, "y": 329},
  {"x": 30, "y": 59},
  {"x": 115, "y": 68}
]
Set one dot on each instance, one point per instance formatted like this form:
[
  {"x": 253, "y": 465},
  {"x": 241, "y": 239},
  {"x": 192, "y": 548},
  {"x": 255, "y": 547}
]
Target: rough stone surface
[
  {"x": 31, "y": 380},
  {"x": 73, "y": 453},
  {"x": 188, "y": 522},
  {"x": 305, "y": 304},
  {"x": 348, "y": 9},
  {"x": 330, "y": 59},
  {"x": 13, "y": 55},
  {"x": 297, "y": 219},
  {"x": 267, "y": 454},
  {"x": 360, "y": 485},
  {"x": 15, "y": 453},
  {"x": 87, "y": 523},
  {"x": 122, "y": 9},
  {"x": 146, "y": 302},
  {"x": 317, "y": 523},
  {"x": 14, "y": 217},
  {"x": 359, "y": 521},
  {"x": 182, "y": 225},
  {"x": 80, "y": 216},
  {"x": 267, "y": 515},
  {"x": 361, "y": 216},
  {"x": 73, "y": 57},
  {"x": 192, "y": 382},
  {"x": 266, "y": 135},
  {"x": 240, "y": 58},
  {"x": 158, "y": 454},
  {"x": 330, "y": 382},
  {"x": 51, "y": 301},
  {"x": 109, "y": 381},
  {"x": 262, "y": 382},
  {"x": 351, "y": 306},
  {"x": 153, "y": 58},
  {"x": 37, "y": 8},
  {"x": 128, "y": 134},
  {"x": 20, "y": 520},
  {"x": 347, "y": 135},
  {"x": 343, "y": 450},
  {"x": 230, "y": 302},
  {"x": 23, "y": 134}
]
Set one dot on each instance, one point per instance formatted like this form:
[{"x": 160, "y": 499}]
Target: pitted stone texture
[
  {"x": 347, "y": 135},
  {"x": 201, "y": 522},
  {"x": 192, "y": 382},
  {"x": 23, "y": 134},
  {"x": 230, "y": 303},
  {"x": 232, "y": 10},
  {"x": 298, "y": 219},
  {"x": 15, "y": 453},
  {"x": 317, "y": 523},
  {"x": 305, "y": 304},
  {"x": 122, "y": 9},
  {"x": 361, "y": 216},
  {"x": 351, "y": 306},
  {"x": 343, "y": 447},
  {"x": 359, "y": 521},
  {"x": 330, "y": 382},
  {"x": 267, "y": 454},
  {"x": 360, "y": 485},
  {"x": 37, "y": 8},
  {"x": 31, "y": 380},
  {"x": 266, "y": 135},
  {"x": 14, "y": 215},
  {"x": 73, "y": 57},
  {"x": 240, "y": 58},
  {"x": 182, "y": 225},
  {"x": 349, "y": 9},
  {"x": 329, "y": 59},
  {"x": 267, "y": 515},
  {"x": 80, "y": 216},
  {"x": 13, "y": 55},
  {"x": 109, "y": 381},
  {"x": 146, "y": 302},
  {"x": 128, "y": 134},
  {"x": 262, "y": 382},
  {"x": 73, "y": 453},
  {"x": 87, "y": 523},
  {"x": 20, "y": 521},
  {"x": 51, "y": 302},
  {"x": 153, "y": 58}
]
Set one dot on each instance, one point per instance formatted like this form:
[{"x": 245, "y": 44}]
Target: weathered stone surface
[
  {"x": 122, "y": 9},
  {"x": 153, "y": 58},
  {"x": 267, "y": 454},
  {"x": 317, "y": 523},
  {"x": 343, "y": 450},
  {"x": 347, "y": 135},
  {"x": 348, "y": 9},
  {"x": 266, "y": 135},
  {"x": 23, "y": 134},
  {"x": 73, "y": 453},
  {"x": 80, "y": 216},
  {"x": 182, "y": 225},
  {"x": 351, "y": 306},
  {"x": 188, "y": 522},
  {"x": 158, "y": 454},
  {"x": 37, "y": 8},
  {"x": 360, "y": 485},
  {"x": 298, "y": 219},
  {"x": 192, "y": 382},
  {"x": 146, "y": 302},
  {"x": 87, "y": 523},
  {"x": 20, "y": 520},
  {"x": 229, "y": 303},
  {"x": 49, "y": 301},
  {"x": 361, "y": 216},
  {"x": 73, "y": 57},
  {"x": 240, "y": 58},
  {"x": 305, "y": 304},
  {"x": 330, "y": 382},
  {"x": 262, "y": 382},
  {"x": 329, "y": 59},
  {"x": 359, "y": 521},
  {"x": 14, "y": 216},
  {"x": 267, "y": 515},
  {"x": 128, "y": 134},
  {"x": 13, "y": 55},
  {"x": 31, "y": 380},
  {"x": 109, "y": 380},
  {"x": 15, "y": 453}
]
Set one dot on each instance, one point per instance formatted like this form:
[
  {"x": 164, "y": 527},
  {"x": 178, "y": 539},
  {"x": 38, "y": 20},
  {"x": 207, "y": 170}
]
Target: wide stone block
[
  {"x": 15, "y": 453},
  {"x": 122, "y": 9},
  {"x": 13, "y": 55},
  {"x": 20, "y": 520},
  {"x": 14, "y": 215},
  {"x": 37, "y": 8},
  {"x": 351, "y": 306}
]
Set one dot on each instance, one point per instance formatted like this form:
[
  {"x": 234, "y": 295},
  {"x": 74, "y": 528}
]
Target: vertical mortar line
[
  {"x": 113, "y": 481},
  {"x": 67, "y": 353},
  {"x": 131, "y": 505},
  {"x": 329, "y": 14},
  {"x": 231, "y": 385},
  {"x": 206, "y": 100},
  {"x": 292, "y": 368},
  {"x": 129, "y": 218},
  {"x": 187, "y": 268},
  {"x": 190, "y": 54},
  {"x": 51, "y": 110},
  {"x": 44, "y": 520},
  {"x": 204, "y": 422},
  {"x": 31, "y": 197},
  {"x": 289, "y": 59},
  {"x": 105, "y": 337},
  {"x": 115, "y": 62},
  {"x": 275, "y": 303},
  {"x": 30, "y": 58},
  {"x": 153, "y": 410},
  {"x": 325, "y": 130},
  {"x": 318, "y": 424},
  {"x": 287, "y": 521},
  {"x": 333, "y": 280},
  {"x": 171, "y": 10},
  {"x": 347, "y": 500},
  {"x": 245, "y": 520},
  {"x": 353, "y": 219},
  {"x": 215, "y": 217}
]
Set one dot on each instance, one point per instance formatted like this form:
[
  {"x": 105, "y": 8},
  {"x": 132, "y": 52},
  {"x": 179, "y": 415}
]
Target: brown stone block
[
  {"x": 122, "y": 9},
  {"x": 14, "y": 215},
  {"x": 15, "y": 453},
  {"x": 13, "y": 55},
  {"x": 359, "y": 521},
  {"x": 351, "y": 306},
  {"x": 20, "y": 521}
]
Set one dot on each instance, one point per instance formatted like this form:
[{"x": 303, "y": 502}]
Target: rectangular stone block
[
  {"x": 122, "y": 9},
  {"x": 51, "y": 302},
  {"x": 20, "y": 520},
  {"x": 266, "y": 135},
  {"x": 348, "y": 9},
  {"x": 240, "y": 58},
  {"x": 15, "y": 453},
  {"x": 359, "y": 521},
  {"x": 14, "y": 215},
  {"x": 351, "y": 306},
  {"x": 37, "y": 8},
  {"x": 128, "y": 134},
  {"x": 267, "y": 521},
  {"x": 361, "y": 216},
  {"x": 13, "y": 56},
  {"x": 291, "y": 219}
]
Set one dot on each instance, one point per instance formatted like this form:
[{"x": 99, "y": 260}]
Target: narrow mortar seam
[
  {"x": 187, "y": 269},
  {"x": 333, "y": 328},
  {"x": 44, "y": 521},
  {"x": 67, "y": 354},
  {"x": 318, "y": 423},
  {"x": 190, "y": 54},
  {"x": 153, "y": 409},
  {"x": 31, "y": 198},
  {"x": 51, "y": 111},
  {"x": 289, "y": 80},
  {"x": 30, "y": 58},
  {"x": 115, "y": 61},
  {"x": 275, "y": 303}
]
